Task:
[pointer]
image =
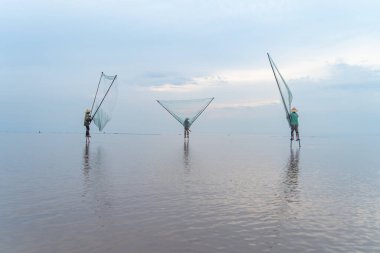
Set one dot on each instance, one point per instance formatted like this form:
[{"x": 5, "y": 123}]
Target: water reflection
[
  {"x": 93, "y": 162},
  {"x": 86, "y": 168},
  {"x": 291, "y": 177},
  {"x": 186, "y": 159},
  {"x": 96, "y": 186},
  {"x": 86, "y": 156}
]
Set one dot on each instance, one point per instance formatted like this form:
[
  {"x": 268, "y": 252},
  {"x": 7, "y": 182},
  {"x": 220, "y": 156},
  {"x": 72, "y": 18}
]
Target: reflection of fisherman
[
  {"x": 291, "y": 180},
  {"x": 87, "y": 122},
  {"x": 186, "y": 125},
  {"x": 86, "y": 164},
  {"x": 186, "y": 153},
  {"x": 293, "y": 117}
]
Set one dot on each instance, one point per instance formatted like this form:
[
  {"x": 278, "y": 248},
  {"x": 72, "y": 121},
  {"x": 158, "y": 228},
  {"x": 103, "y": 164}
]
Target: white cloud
[
  {"x": 194, "y": 84},
  {"x": 240, "y": 78},
  {"x": 244, "y": 105},
  {"x": 175, "y": 88}
]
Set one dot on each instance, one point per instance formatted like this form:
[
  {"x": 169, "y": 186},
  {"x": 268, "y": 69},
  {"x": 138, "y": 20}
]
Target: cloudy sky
[{"x": 52, "y": 53}]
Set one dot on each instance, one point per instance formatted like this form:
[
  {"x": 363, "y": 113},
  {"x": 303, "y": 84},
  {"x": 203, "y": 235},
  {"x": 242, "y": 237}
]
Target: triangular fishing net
[
  {"x": 104, "y": 101},
  {"x": 286, "y": 94},
  {"x": 189, "y": 109}
]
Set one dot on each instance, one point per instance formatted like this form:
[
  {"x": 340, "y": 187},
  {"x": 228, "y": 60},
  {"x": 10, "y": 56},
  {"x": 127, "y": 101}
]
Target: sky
[{"x": 52, "y": 53}]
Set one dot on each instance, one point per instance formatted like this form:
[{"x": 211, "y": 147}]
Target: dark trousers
[
  {"x": 294, "y": 128},
  {"x": 87, "y": 131},
  {"x": 186, "y": 133}
]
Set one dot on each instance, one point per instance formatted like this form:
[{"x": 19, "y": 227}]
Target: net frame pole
[
  {"x": 97, "y": 89},
  {"x": 104, "y": 97},
  {"x": 279, "y": 88},
  {"x": 175, "y": 116},
  {"x": 290, "y": 96},
  {"x": 199, "y": 113}
]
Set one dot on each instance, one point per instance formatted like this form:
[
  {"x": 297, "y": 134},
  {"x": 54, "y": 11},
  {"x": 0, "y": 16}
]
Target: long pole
[
  {"x": 104, "y": 97},
  {"x": 199, "y": 113},
  {"x": 279, "y": 88},
  {"x": 97, "y": 89},
  {"x": 175, "y": 116},
  {"x": 290, "y": 96}
]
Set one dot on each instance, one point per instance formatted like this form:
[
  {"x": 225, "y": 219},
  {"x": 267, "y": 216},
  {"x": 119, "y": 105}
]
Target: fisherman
[
  {"x": 293, "y": 117},
  {"x": 87, "y": 122},
  {"x": 186, "y": 125}
]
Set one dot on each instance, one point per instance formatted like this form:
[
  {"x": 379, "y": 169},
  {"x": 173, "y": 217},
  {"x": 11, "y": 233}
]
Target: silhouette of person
[
  {"x": 87, "y": 122},
  {"x": 186, "y": 125}
]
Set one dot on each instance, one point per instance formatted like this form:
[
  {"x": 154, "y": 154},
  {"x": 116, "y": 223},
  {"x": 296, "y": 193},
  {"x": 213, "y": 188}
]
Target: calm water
[{"x": 126, "y": 193}]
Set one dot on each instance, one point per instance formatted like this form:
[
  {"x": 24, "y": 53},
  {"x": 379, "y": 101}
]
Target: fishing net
[
  {"x": 186, "y": 109},
  {"x": 104, "y": 101},
  {"x": 286, "y": 94}
]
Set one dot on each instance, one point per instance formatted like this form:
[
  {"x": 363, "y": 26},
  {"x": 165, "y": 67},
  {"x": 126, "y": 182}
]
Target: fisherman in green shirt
[{"x": 294, "y": 124}]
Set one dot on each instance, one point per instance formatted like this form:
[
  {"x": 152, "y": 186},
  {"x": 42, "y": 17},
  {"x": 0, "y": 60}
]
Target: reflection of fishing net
[
  {"x": 186, "y": 109},
  {"x": 286, "y": 94},
  {"x": 104, "y": 101}
]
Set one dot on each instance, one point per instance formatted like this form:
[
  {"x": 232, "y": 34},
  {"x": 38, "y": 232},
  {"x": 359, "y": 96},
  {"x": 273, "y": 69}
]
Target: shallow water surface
[{"x": 155, "y": 193}]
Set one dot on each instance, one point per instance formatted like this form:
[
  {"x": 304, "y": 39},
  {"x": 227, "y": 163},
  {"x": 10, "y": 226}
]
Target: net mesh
[
  {"x": 105, "y": 100},
  {"x": 286, "y": 94},
  {"x": 186, "y": 111}
]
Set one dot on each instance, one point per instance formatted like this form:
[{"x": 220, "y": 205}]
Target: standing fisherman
[
  {"x": 294, "y": 124},
  {"x": 186, "y": 125},
  {"x": 87, "y": 122}
]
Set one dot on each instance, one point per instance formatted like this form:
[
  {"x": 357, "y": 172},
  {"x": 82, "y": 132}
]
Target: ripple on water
[{"x": 230, "y": 194}]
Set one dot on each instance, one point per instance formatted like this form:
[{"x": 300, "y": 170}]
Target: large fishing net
[
  {"x": 104, "y": 101},
  {"x": 286, "y": 94},
  {"x": 186, "y": 110}
]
